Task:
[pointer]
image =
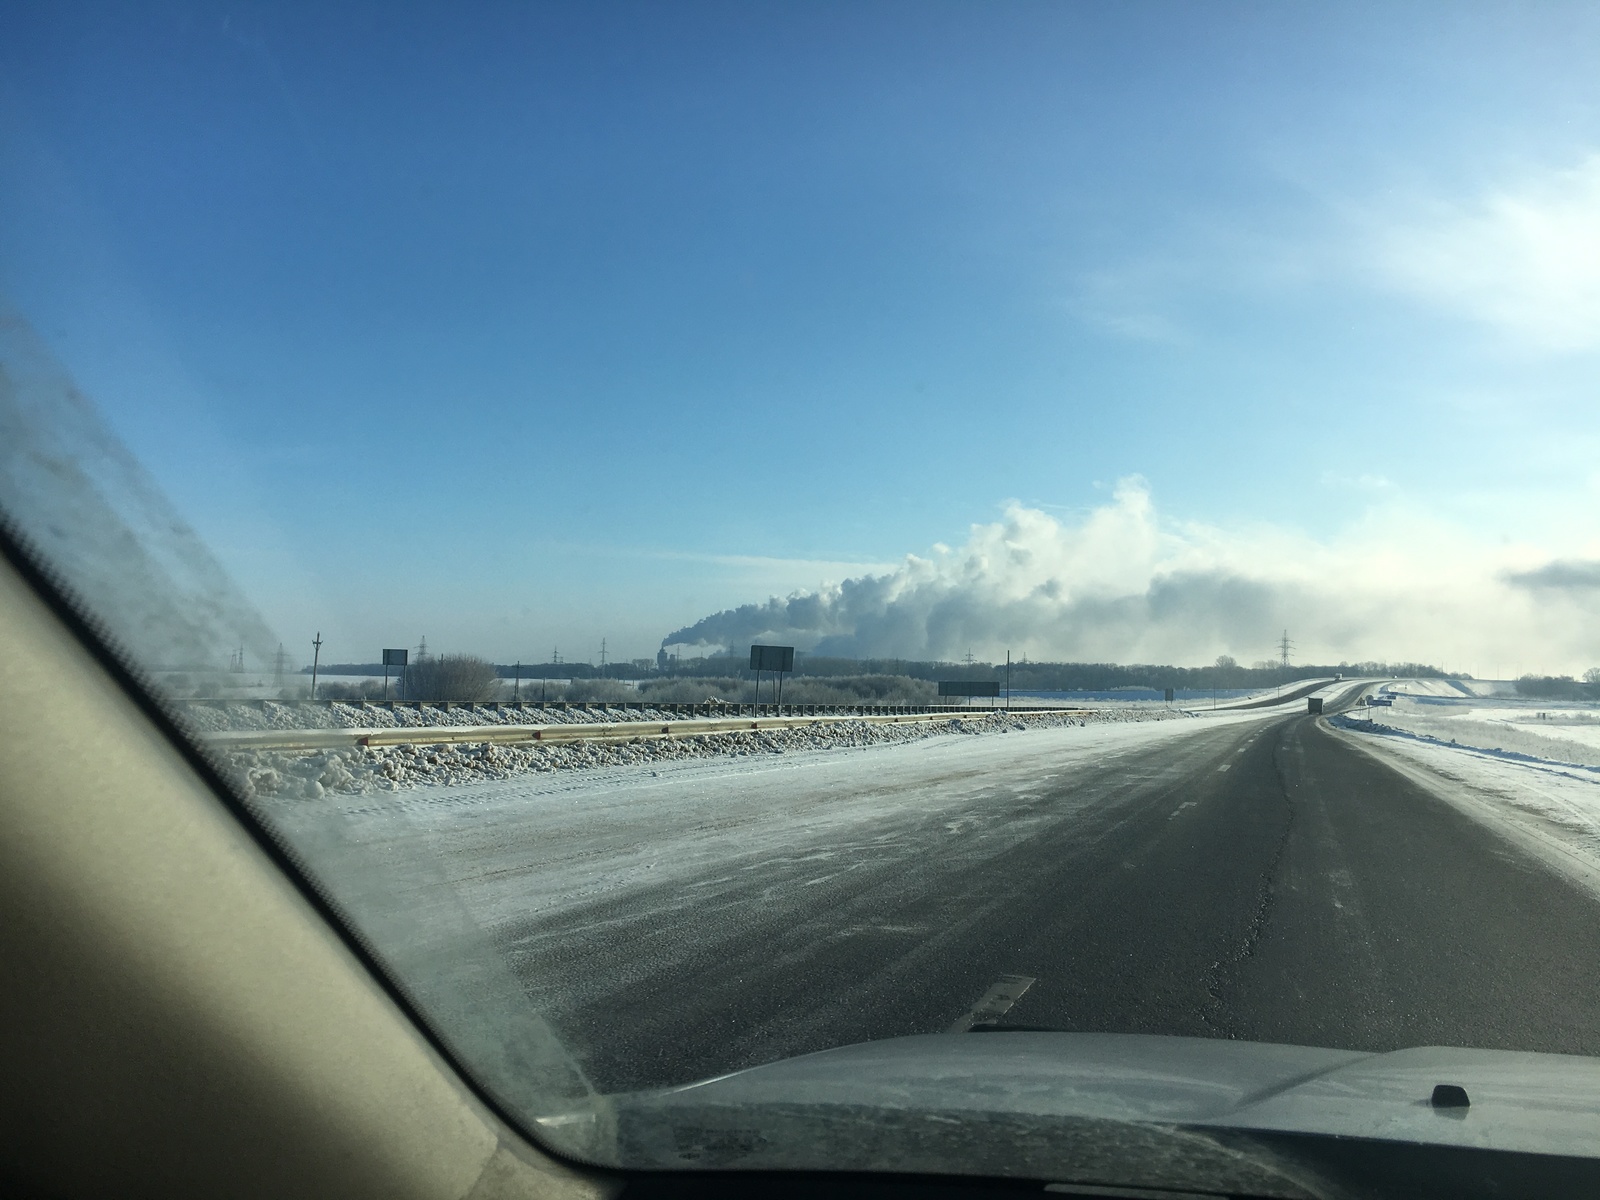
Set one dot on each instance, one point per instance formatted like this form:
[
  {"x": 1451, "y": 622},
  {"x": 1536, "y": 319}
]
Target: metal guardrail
[{"x": 618, "y": 731}]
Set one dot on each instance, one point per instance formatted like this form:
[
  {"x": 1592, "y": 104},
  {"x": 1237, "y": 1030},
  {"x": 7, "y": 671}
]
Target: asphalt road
[{"x": 1255, "y": 879}]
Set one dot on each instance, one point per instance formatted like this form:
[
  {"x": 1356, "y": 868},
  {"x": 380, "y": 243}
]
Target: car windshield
[{"x": 741, "y": 547}]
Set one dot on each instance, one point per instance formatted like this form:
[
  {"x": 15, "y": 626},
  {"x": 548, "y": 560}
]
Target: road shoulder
[{"x": 1551, "y": 815}]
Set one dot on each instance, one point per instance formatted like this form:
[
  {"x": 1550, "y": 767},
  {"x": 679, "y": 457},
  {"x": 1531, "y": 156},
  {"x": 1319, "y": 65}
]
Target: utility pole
[
  {"x": 516, "y": 689},
  {"x": 1008, "y": 681},
  {"x": 602, "y": 658},
  {"x": 277, "y": 666},
  {"x": 316, "y": 658},
  {"x": 1284, "y": 646}
]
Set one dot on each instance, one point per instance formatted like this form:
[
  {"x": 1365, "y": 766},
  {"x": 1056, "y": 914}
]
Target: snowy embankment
[
  {"x": 363, "y": 769},
  {"x": 1536, "y": 731},
  {"x": 242, "y": 718},
  {"x": 1530, "y": 769}
]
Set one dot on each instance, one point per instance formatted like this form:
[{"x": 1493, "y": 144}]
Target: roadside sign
[
  {"x": 772, "y": 658},
  {"x": 392, "y": 658},
  {"x": 969, "y": 687},
  {"x": 777, "y": 659}
]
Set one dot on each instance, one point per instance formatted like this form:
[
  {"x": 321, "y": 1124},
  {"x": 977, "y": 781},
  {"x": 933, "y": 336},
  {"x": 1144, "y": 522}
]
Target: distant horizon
[{"x": 738, "y": 663}]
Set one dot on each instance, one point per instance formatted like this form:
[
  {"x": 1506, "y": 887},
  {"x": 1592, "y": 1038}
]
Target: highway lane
[{"x": 1243, "y": 878}]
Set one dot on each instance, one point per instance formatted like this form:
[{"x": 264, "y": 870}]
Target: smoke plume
[{"x": 1123, "y": 585}]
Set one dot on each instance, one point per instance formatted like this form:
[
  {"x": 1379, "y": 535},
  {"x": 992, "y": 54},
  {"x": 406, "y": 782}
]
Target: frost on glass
[
  {"x": 84, "y": 508},
  {"x": 93, "y": 514}
]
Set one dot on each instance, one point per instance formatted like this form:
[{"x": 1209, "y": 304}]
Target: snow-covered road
[{"x": 606, "y": 831}]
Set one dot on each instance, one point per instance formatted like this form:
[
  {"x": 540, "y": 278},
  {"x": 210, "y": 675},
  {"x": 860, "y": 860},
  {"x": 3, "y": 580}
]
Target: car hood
[{"x": 1183, "y": 1113}]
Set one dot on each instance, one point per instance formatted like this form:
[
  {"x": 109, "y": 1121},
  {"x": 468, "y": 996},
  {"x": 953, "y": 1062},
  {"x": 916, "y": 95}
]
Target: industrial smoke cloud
[{"x": 1123, "y": 585}]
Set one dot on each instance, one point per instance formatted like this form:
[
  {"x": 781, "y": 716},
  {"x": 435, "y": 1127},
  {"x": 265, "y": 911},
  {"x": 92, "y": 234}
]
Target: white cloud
[
  {"x": 1122, "y": 584},
  {"x": 1524, "y": 259}
]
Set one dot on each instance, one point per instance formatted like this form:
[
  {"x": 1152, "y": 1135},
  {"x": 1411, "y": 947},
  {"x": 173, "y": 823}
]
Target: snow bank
[
  {"x": 231, "y": 718},
  {"x": 1565, "y": 733},
  {"x": 390, "y": 768}
]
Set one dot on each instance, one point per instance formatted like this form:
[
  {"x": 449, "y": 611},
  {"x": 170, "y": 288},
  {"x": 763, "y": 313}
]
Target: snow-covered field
[{"x": 1553, "y": 730}]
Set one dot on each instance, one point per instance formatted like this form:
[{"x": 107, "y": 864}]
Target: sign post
[
  {"x": 392, "y": 658},
  {"x": 778, "y": 659}
]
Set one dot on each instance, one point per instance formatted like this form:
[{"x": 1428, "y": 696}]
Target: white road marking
[
  {"x": 1224, "y": 766},
  {"x": 994, "y": 1003}
]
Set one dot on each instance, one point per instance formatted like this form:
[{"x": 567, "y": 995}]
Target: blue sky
[{"x": 523, "y": 325}]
